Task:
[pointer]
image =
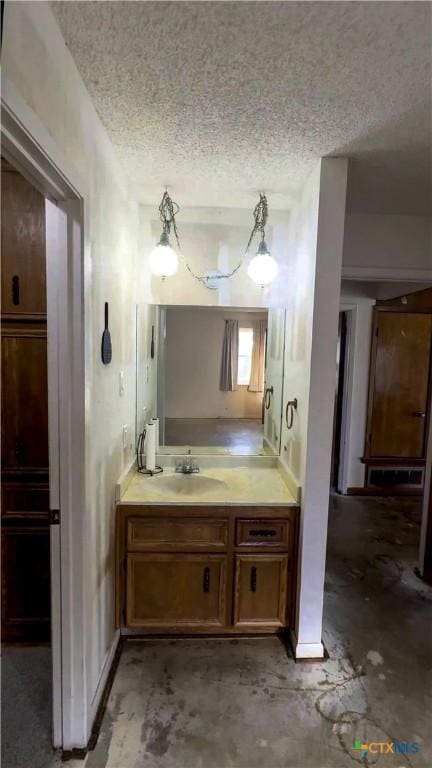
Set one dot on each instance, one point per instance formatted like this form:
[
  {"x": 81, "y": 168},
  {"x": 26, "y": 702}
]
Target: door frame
[{"x": 26, "y": 144}]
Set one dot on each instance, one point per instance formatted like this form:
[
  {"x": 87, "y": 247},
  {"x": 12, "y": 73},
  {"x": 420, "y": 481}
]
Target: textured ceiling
[{"x": 222, "y": 99}]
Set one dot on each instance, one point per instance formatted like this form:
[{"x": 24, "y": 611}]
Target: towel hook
[{"x": 289, "y": 412}]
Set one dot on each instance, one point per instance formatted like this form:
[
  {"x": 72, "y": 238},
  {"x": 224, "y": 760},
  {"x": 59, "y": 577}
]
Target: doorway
[
  {"x": 341, "y": 361},
  {"x": 25, "y": 511}
]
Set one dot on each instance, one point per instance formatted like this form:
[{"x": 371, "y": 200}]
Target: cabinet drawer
[
  {"x": 176, "y": 534},
  {"x": 263, "y": 533},
  {"x": 171, "y": 591}
]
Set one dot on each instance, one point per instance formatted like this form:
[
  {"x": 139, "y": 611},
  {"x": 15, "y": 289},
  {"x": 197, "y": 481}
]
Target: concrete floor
[
  {"x": 246, "y": 703},
  {"x": 240, "y": 436}
]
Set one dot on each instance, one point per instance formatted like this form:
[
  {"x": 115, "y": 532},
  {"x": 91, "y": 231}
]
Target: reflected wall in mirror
[{"x": 215, "y": 381}]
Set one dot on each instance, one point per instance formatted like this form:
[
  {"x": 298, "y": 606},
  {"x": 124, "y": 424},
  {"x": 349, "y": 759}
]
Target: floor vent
[{"x": 390, "y": 476}]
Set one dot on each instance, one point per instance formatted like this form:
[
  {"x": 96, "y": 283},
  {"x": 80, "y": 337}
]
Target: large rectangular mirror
[{"x": 213, "y": 376}]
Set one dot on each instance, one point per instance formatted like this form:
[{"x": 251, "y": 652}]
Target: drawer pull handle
[
  {"x": 206, "y": 580},
  {"x": 15, "y": 290},
  {"x": 253, "y": 579},
  {"x": 262, "y": 532}
]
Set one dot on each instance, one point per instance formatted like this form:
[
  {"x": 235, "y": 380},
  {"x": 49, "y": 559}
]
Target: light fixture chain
[
  {"x": 260, "y": 215},
  {"x": 168, "y": 210}
]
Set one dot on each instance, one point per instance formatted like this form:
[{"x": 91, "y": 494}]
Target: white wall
[
  {"x": 194, "y": 340},
  {"x": 38, "y": 65},
  {"x": 214, "y": 238},
  {"x": 387, "y": 247},
  {"x": 316, "y": 242}
]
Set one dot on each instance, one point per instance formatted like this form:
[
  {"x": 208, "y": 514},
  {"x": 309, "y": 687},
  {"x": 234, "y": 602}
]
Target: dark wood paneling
[
  {"x": 398, "y": 399},
  {"x": 24, "y": 414},
  {"x": 24, "y": 398},
  {"x": 23, "y": 246},
  {"x": 25, "y": 584}
]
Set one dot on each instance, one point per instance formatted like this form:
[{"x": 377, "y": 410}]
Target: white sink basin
[{"x": 187, "y": 484}]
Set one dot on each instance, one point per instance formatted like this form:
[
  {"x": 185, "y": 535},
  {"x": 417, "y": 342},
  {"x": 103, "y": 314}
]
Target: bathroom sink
[{"x": 187, "y": 484}]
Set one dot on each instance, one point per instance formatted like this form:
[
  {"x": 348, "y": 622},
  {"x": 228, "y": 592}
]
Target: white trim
[
  {"x": 387, "y": 274},
  {"x": 109, "y": 658},
  {"x": 306, "y": 651},
  {"x": 29, "y": 147},
  {"x": 56, "y": 224}
]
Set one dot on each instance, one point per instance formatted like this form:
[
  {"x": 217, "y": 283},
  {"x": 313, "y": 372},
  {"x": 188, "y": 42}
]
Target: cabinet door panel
[
  {"x": 260, "y": 590},
  {"x": 25, "y": 399},
  {"x": 175, "y": 590},
  {"x": 26, "y": 584},
  {"x": 23, "y": 246}
]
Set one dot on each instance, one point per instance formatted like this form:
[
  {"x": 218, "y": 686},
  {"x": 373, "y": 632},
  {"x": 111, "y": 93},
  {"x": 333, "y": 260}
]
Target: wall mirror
[{"x": 213, "y": 376}]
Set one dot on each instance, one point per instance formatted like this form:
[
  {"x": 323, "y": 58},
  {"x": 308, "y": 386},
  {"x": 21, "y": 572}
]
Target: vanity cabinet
[{"x": 208, "y": 570}]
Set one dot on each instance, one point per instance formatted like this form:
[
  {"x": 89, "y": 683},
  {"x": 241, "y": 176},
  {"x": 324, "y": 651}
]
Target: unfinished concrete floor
[{"x": 245, "y": 703}]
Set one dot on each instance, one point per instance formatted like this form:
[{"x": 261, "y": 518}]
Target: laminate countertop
[{"x": 236, "y": 485}]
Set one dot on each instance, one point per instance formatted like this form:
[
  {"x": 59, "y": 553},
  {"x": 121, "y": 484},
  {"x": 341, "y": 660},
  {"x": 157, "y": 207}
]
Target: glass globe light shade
[
  {"x": 263, "y": 268},
  {"x": 163, "y": 260}
]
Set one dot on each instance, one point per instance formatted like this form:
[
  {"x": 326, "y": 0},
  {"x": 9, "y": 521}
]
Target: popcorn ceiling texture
[{"x": 222, "y": 99}]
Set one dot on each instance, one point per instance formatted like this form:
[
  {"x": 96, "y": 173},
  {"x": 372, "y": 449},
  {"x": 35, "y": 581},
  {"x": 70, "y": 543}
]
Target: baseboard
[
  {"x": 100, "y": 699},
  {"x": 307, "y": 651}
]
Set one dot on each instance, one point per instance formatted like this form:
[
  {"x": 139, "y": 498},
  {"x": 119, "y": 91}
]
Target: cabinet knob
[
  {"x": 15, "y": 290},
  {"x": 253, "y": 579},
  {"x": 206, "y": 580}
]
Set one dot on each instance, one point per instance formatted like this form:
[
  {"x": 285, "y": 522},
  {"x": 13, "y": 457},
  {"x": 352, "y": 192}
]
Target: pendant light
[
  {"x": 263, "y": 268},
  {"x": 163, "y": 260}
]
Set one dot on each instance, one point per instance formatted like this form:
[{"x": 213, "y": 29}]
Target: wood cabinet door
[
  {"x": 24, "y": 420},
  {"x": 399, "y": 385},
  {"x": 260, "y": 590},
  {"x": 25, "y": 584},
  {"x": 23, "y": 279},
  {"x": 170, "y": 591}
]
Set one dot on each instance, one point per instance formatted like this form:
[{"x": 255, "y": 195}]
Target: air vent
[{"x": 390, "y": 477}]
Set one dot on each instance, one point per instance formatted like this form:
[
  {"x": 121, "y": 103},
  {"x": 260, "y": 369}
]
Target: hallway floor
[{"x": 234, "y": 703}]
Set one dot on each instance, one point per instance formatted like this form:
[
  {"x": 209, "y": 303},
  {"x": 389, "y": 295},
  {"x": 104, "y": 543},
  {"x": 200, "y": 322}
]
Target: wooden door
[
  {"x": 399, "y": 385},
  {"x": 24, "y": 414},
  {"x": 175, "y": 591},
  {"x": 23, "y": 279},
  {"x": 25, "y": 398},
  {"x": 261, "y": 590}
]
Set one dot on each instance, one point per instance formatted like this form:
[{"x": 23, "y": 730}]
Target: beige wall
[
  {"x": 37, "y": 63},
  {"x": 194, "y": 338}
]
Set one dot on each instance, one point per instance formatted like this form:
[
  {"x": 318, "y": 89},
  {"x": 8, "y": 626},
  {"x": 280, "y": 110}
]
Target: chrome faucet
[{"x": 187, "y": 466}]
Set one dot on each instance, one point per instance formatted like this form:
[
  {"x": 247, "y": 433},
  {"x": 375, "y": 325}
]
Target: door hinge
[
  {"x": 377, "y": 330},
  {"x": 54, "y": 517}
]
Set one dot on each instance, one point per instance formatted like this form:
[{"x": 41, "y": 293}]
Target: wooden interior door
[
  {"x": 24, "y": 414},
  {"x": 398, "y": 394},
  {"x": 167, "y": 590},
  {"x": 260, "y": 590}
]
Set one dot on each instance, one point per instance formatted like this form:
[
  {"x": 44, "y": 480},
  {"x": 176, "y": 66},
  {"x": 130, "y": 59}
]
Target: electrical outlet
[
  {"x": 125, "y": 437},
  {"x": 121, "y": 383}
]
